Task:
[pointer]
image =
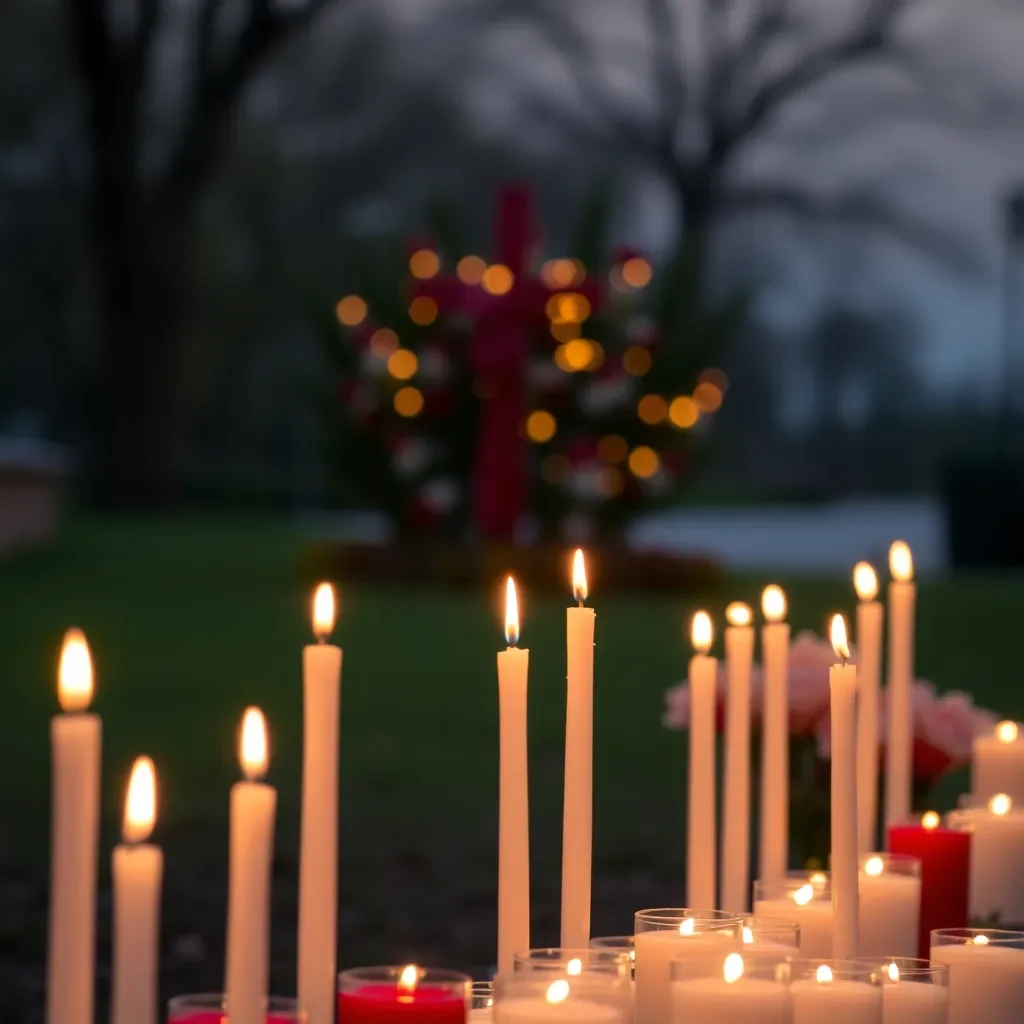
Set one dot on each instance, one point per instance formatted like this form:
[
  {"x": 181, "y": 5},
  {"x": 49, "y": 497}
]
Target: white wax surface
[
  {"x": 717, "y": 1001},
  {"x": 483, "y": 1015},
  {"x": 538, "y": 1010},
  {"x": 655, "y": 952},
  {"x": 890, "y": 906},
  {"x": 912, "y": 1002},
  {"x": 814, "y": 918},
  {"x": 774, "y": 846},
  {"x": 899, "y": 775},
  {"x": 986, "y": 983},
  {"x": 997, "y": 767},
  {"x": 997, "y": 853},
  {"x": 735, "y": 853},
  {"x": 835, "y": 1002}
]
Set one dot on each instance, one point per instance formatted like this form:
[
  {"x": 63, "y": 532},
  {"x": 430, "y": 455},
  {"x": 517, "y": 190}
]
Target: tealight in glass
[
  {"x": 211, "y": 1008},
  {"x": 889, "y": 887},
  {"x": 986, "y": 973},
  {"x": 745, "y": 988},
  {"x": 366, "y": 995},
  {"x": 583, "y": 965},
  {"x": 834, "y": 990},
  {"x": 914, "y": 991},
  {"x": 805, "y": 898},
  {"x": 543, "y": 998}
]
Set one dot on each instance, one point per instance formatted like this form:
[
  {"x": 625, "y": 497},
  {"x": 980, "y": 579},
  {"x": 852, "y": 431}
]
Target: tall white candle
[
  {"x": 997, "y": 765},
  {"x": 75, "y": 738},
  {"x": 889, "y": 896},
  {"x": 253, "y": 807},
  {"x": 318, "y": 847},
  {"x": 513, "y": 793},
  {"x": 843, "y": 685},
  {"x": 577, "y": 809},
  {"x": 774, "y": 858},
  {"x": 735, "y": 854},
  {"x": 899, "y": 753},
  {"x": 137, "y": 870},
  {"x": 700, "y": 832},
  {"x": 870, "y": 618},
  {"x": 986, "y": 981}
]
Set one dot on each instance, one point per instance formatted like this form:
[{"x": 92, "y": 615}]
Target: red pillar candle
[
  {"x": 945, "y": 856},
  {"x": 402, "y": 995}
]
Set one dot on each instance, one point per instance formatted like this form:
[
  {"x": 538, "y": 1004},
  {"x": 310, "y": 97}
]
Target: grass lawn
[{"x": 191, "y": 620}]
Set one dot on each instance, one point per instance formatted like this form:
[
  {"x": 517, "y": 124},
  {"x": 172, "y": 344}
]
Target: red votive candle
[
  {"x": 945, "y": 856},
  {"x": 402, "y": 995}
]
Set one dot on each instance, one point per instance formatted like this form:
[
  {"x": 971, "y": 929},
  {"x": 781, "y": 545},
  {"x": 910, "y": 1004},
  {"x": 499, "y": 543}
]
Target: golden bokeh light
[
  {"x": 497, "y": 280},
  {"x": 422, "y": 310},
  {"x": 351, "y": 310},
  {"x": 383, "y": 342},
  {"x": 708, "y": 397},
  {"x": 403, "y": 364},
  {"x": 652, "y": 409},
  {"x": 636, "y": 360},
  {"x": 576, "y": 355},
  {"x": 683, "y": 412},
  {"x": 612, "y": 448},
  {"x": 470, "y": 269},
  {"x": 424, "y": 264},
  {"x": 408, "y": 402},
  {"x": 644, "y": 462},
  {"x": 636, "y": 272},
  {"x": 540, "y": 426}
]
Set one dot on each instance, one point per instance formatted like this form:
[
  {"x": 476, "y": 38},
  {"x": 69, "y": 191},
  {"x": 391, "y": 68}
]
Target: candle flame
[
  {"x": 558, "y": 991},
  {"x": 733, "y": 968},
  {"x": 323, "y": 611},
  {"x": 252, "y": 745},
  {"x": 701, "y": 632},
  {"x": 839, "y": 644},
  {"x": 686, "y": 927},
  {"x": 823, "y": 973},
  {"x": 1007, "y": 732},
  {"x": 773, "y": 603},
  {"x": 74, "y": 677},
  {"x": 408, "y": 979},
  {"x": 579, "y": 577},
  {"x": 894, "y": 972},
  {"x": 901, "y": 562},
  {"x": 874, "y": 866},
  {"x": 803, "y": 895},
  {"x": 980, "y": 940},
  {"x": 818, "y": 878},
  {"x": 1000, "y": 804},
  {"x": 574, "y": 966},
  {"x": 930, "y": 820},
  {"x": 140, "y": 804},
  {"x": 511, "y": 613},
  {"x": 748, "y": 935},
  {"x": 865, "y": 581},
  {"x": 739, "y": 614}
]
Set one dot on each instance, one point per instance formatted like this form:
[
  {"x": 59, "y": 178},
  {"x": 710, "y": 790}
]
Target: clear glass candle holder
[
  {"x": 619, "y": 944},
  {"x": 211, "y": 1008},
  {"x": 543, "y": 998},
  {"x": 889, "y": 887},
  {"x": 580, "y": 966},
  {"x": 481, "y": 1006},
  {"x": 365, "y": 994},
  {"x": 822, "y": 989},
  {"x": 912, "y": 989},
  {"x": 744, "y": 988},
  {"x": 771, "y": 935},
  {"x": 986, "y": 973},
  {"x": 802, "y": 897}
]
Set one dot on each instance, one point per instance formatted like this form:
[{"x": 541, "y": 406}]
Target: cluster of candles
[{"x": 846, "y": 943}]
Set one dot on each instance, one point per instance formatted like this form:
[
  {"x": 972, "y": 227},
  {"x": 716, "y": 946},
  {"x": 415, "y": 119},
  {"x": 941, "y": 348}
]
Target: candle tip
[
  {"x": 252, "y": 747},
  {"x": 901, "y": 562},
  {"x": 140, "y": 804},
  {"x": 1007, "y": 732},
  {"x": 701, "y": 632},
  {"x": 773, "y": 603},
  {"x": 1000, "y": 804},
  {"x": 930, "y": 820},
  {"x": 579, "y": 577},
  {"x": 739, "y": 614},
  {"x": 324, "y": 611},
  {"x": 75, "y": 675},
  {"x": 865, "y": 581},
  {"x": 839, "y": 643},
  {"x": 511, "y": 613}
]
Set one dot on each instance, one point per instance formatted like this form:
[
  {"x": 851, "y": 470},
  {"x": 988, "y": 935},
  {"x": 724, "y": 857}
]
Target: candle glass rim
[
  {"x": 912, "y": 968},
  {"x": 282, "y": 1007},
  {"x": 606, "y": 942},
  {"x": 353, "y": 978},
  {"x": 557, "y": 958},
  {"x": 1005, "y": 937},
  {"x": 669, "y": 918},
  {"x": 905, "y": 864},
  {"x": 775, "y": 927},
  {"x": 758, "y": 965},
  {"x": 765, "y": 889},
  {"x": 804, "y": 969}
]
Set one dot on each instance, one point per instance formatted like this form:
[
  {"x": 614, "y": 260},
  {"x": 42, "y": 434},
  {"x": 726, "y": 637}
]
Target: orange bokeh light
[
  {"x": 636, "y": 360},
  {"x": 424, "y": 264},
  {"x": 351, "y": 310},
  {"x": 497, "y": 280},
  {"x": 652, "y": 409}
]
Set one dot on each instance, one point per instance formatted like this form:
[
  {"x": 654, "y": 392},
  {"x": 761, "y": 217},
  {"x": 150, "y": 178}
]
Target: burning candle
[
  {"x": 700, "y": 851},
  {"x": 843, "y": 686},
  {"x": 577, "y": 809},
  {"x": 735, "y": 854},
  {"x": 944, "y": 854},
  {"x": 775, "y": 736},
  {"x": 75, "y": 739},
  {"x": 318, "y": 847},
  {"x": 513, "y": 794},
  {"x": 806, "y": 899},
  {"x": 734, "y": 991},
  {"x": 838, "y": 992},
  {"x": 899, "y": 752},
  {"x": 402, "y": 995},
  {"x": 998, "y": 764},
  {"x": 137, "y": 870},
  {"x": 986, "y": 973},
  {"x": 890, "y": 905},
  {"x": 913, "y": 991},
  {"x": 869, "y": 670},
  {"x": 526, "y": 999},
  {"x": 253, "y": 806}
]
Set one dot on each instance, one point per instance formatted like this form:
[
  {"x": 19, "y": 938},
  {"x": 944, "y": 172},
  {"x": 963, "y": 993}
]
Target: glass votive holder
[
  {"x": 667, "y": 934},
  {"x": 619, "y": 944},
  {"x": 805, "y": 898},
  {"x": 986, "y": 973},
  {"x": 771, "y": 935},
  {"x": 833, "y": 990},
  {"x": 211, "y": 1008},
  {"x": 744, "y": 988},
  {"x": 889, "y": 886},
  {"x": 913, "y": 990},
  {"x": 366, "y": 995},
  {"x": 540, "y": 998},
  {"x": 583, "y": 965},
  {"x": 481, "y": 1006}
]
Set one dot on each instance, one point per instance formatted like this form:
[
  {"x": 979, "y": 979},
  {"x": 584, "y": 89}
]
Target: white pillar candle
[
  {"x": 869, "y": 670},
  {"x": 997, "y": 853},
  {"x": 75, "y": 740},
  {"x": 998, "y": 764},
  {"x": 578, "y": 804},
  {"x": 730, "y": 998},
  {"x": 808, "y": 905},
  {"x": 700, "y": 850},
  {"x": 318, "y": 846},
  {"x": 655, "y": 952},
  {"x": 513, "y": 793},
  {"x": 774, "y": 815},
  {"x": 890, "y": 905},
  {"x": 900, "y": 748},
  {"x": 251, "y": 854},
  {"x": 137, "y": 870},
  {"x": 735, "y": 853},
  {"x": 557, "y": 1006},
  {"x": 843, "y": 686},
  {"x": 986, "y": 982},
  {"x": 837, "y": 1002},
  {"x": 912, "y": 1002}
]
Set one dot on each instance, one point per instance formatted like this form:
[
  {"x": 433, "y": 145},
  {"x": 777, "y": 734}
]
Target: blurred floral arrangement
[{"x": 945, "y": 726}]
